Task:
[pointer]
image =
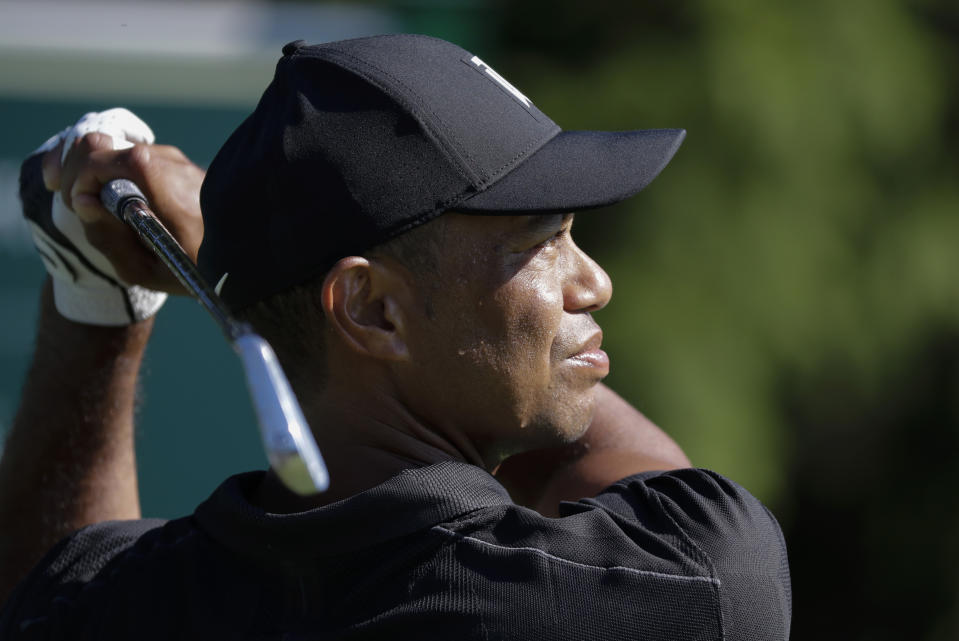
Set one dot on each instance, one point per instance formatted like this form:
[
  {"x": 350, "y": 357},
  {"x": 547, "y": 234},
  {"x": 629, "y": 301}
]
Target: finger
[
  {"x": 100, "y": 166},
  {"x": 77, "y": 164},
  {"x": 89, "y": 209},
  {"x": 50, "y": 166}
]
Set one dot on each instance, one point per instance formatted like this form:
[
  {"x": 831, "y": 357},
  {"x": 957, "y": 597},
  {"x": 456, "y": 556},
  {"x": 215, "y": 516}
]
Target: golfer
[{"x": 396, "y": 219}]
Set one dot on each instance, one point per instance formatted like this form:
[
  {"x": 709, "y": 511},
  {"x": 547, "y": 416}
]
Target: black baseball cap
[{"x": 355, "y": 142}]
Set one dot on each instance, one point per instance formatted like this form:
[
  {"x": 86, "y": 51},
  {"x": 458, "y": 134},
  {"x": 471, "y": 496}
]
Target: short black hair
[{"x": 293, "y": 321}]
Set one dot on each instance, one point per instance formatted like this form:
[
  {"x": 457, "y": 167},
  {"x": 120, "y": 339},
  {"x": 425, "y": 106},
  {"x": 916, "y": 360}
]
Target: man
[{"x": 395, "y": 218}]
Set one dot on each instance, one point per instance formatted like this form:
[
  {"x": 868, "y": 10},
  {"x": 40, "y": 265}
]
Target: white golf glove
[{"x": 86, "y": 288}]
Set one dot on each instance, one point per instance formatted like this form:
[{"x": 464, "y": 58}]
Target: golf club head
[{"x": 287, "y": 438}]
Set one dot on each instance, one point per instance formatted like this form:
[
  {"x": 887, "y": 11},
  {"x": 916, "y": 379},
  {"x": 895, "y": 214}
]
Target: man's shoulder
[
  {"x": 726, "y": 530},
  {"x": 694, "y": 547},
  {"x": 688, "y": 519},
  {"x": 714, "y": 517},
  {"x": 719, "y": 524}
]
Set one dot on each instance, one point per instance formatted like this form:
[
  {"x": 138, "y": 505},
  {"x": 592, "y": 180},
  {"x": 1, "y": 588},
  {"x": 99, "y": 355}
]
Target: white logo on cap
[{"x": 503, "y": 82}]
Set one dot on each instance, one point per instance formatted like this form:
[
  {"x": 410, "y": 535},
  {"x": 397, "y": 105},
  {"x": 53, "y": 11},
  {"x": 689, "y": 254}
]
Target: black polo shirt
[{"x": 439, "y": 552}]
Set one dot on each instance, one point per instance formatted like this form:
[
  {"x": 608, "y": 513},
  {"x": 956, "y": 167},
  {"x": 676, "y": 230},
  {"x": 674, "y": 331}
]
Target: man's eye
[
  {"x": 552, "y": 239},
  {"x": 549, "y": 241},
  {"x": 543, "y": 243}
]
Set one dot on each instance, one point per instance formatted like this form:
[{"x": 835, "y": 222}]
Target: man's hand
[
  {"x": 170, "y": 181},
  {"x": 87, "y": 289}
]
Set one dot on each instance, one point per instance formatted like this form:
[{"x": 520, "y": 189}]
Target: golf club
[{"x": 287, "y": 439}]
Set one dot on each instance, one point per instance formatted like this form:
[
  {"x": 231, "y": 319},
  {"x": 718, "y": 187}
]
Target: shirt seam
[
  {"x": 650, "y": 573},
  {"x": 449, "y": 142},
  {"x": 704, "y": 558}
]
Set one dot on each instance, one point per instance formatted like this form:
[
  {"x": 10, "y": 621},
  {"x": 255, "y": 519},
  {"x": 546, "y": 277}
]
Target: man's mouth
[{"x": 590, "y": 355}]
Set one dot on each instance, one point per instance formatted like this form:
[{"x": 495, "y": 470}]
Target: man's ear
[{"x": 364, "y": 304}]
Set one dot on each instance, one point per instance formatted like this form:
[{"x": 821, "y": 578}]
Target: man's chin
[{"x": 567, "y": 429}]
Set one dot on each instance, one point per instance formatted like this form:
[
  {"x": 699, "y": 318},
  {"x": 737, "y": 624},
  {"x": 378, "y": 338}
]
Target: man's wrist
[{"x": 101, "y": 349}]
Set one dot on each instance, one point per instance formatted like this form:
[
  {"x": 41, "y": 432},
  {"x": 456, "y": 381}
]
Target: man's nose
[{"x": 588, "y": 288}]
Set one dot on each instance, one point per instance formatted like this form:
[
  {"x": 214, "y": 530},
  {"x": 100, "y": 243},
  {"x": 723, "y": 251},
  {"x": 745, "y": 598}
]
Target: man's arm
[
  {"x": 620, "y": 442},
  {"x": 69, "y": 458}
]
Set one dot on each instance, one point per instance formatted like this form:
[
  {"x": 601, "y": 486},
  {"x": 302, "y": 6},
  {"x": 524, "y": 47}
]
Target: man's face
[{"x": 506, "y": 352}]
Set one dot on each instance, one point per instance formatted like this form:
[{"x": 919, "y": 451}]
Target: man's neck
[{"x": 365, "y": 442}]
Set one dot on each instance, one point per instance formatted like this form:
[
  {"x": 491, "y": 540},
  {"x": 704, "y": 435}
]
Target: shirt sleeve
[
  {"x": 66, "y": 568},
  {"x": 728, "y": 529}
]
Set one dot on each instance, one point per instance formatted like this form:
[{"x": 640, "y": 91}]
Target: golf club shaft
[
  {"x": 133, "y": 210},
  {"x": 287, "y": 438}
]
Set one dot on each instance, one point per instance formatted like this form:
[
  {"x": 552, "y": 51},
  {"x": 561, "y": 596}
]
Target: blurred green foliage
[{"x": 786, "y": 302}]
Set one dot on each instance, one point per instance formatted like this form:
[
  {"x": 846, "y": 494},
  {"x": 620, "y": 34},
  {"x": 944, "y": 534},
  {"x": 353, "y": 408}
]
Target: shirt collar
[{"x": 413, "y": 500}]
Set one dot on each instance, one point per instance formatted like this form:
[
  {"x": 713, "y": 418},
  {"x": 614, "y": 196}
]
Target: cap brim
[{"x": 579, "y": 170}]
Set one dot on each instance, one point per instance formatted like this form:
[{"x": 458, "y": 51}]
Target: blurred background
[{"x": 786, "y": 301}]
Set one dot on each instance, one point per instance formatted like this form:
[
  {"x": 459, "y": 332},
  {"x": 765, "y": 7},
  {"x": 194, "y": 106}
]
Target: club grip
[{"x": 117, "y": 193}]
